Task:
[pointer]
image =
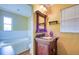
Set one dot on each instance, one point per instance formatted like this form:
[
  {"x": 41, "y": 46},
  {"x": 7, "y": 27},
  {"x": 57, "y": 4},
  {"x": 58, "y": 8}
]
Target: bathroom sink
[{"x": 46, "y": 39}]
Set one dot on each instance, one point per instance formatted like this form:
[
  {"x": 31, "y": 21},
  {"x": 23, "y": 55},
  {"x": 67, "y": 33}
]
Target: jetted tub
[{"x": 17, "y": 45}]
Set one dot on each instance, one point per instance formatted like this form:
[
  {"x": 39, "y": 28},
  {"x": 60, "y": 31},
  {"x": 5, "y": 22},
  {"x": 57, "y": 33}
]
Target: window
[{"x": 7, "y": 24}]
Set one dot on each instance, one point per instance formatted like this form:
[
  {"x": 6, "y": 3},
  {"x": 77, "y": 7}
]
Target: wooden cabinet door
[{"x": 42, "y": 49}]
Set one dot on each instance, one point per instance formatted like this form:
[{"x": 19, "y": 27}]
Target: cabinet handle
[{"x": 53, "y": 50}]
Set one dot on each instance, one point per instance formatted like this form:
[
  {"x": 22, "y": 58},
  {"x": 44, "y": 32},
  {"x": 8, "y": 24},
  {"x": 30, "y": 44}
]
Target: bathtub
[
  {"x": 19, "y": 45},
  {"x": 6, "y": 49}
]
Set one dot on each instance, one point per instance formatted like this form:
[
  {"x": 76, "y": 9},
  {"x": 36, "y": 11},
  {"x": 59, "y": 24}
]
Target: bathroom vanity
[{"x": 44, "y": 44}]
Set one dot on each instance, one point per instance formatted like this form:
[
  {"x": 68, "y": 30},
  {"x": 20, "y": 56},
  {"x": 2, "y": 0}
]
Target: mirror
[{"x": 41, "y": 22}]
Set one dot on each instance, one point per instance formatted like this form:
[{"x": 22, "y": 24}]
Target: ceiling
[{"x": 22, "y": 9}]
